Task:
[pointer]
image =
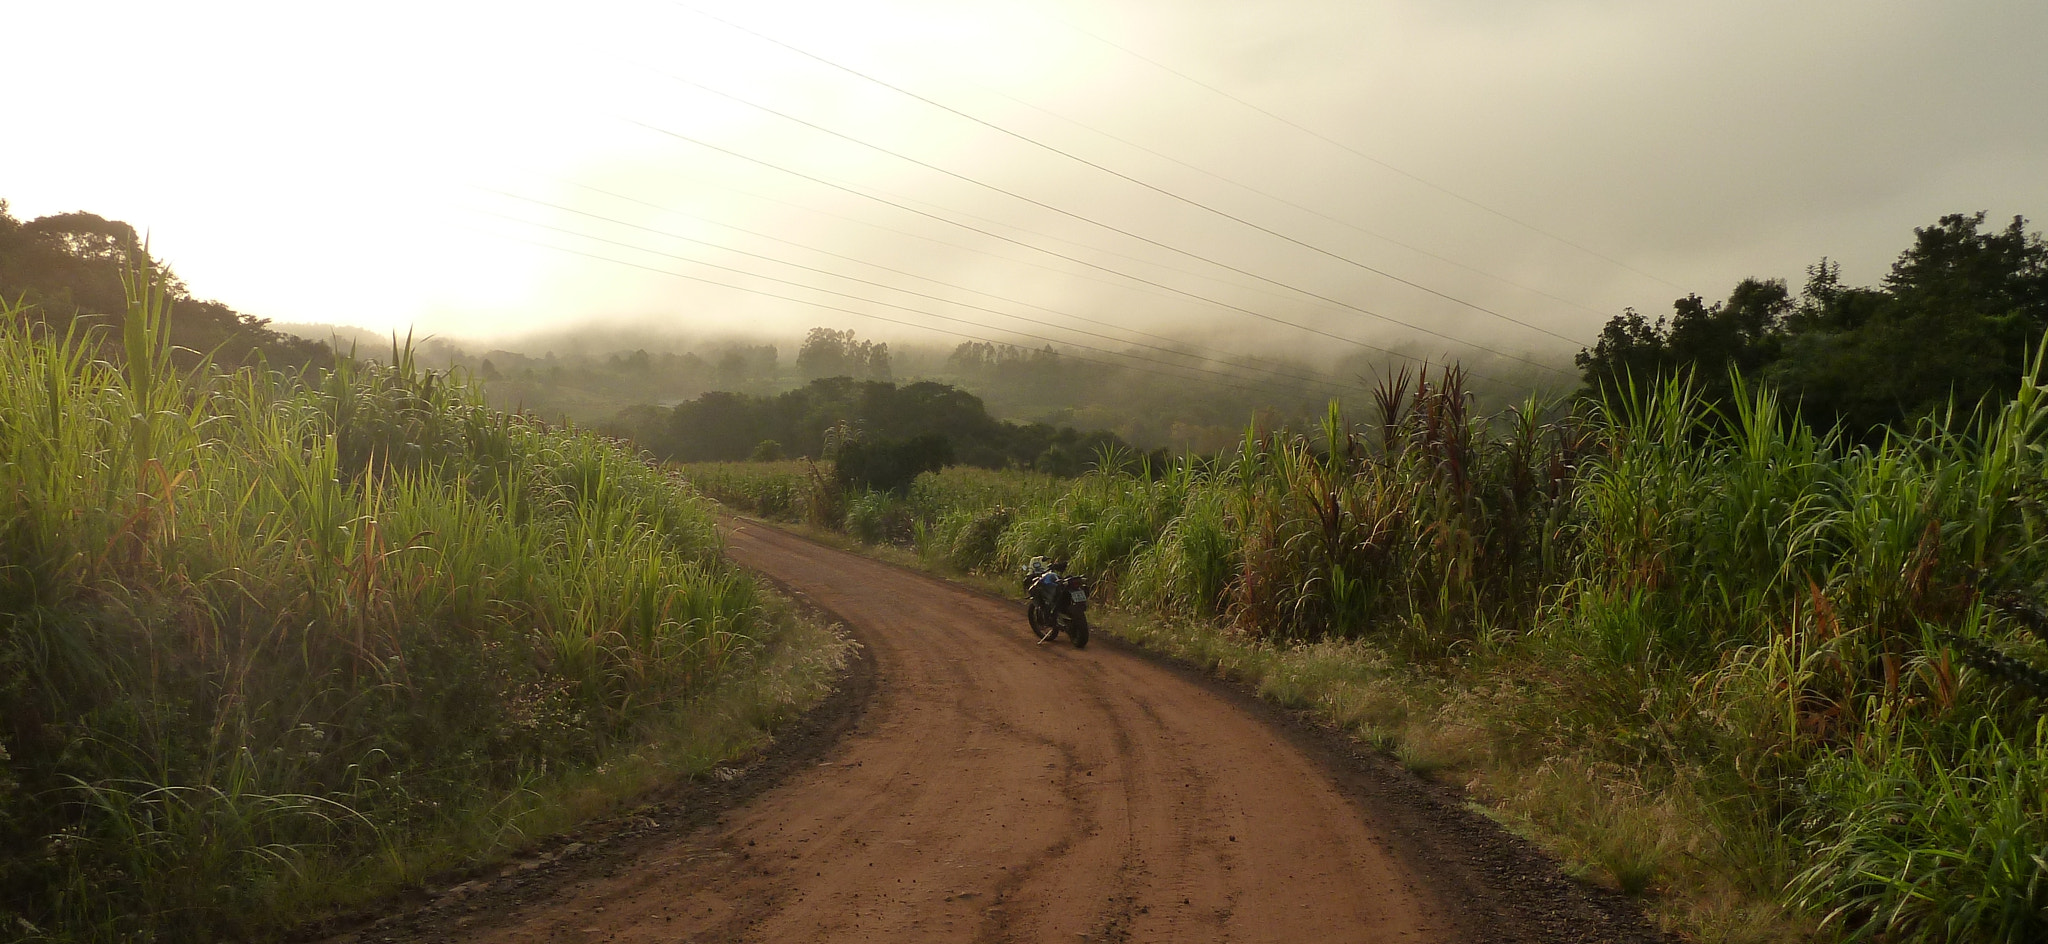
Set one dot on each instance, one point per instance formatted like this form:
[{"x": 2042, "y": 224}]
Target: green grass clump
[
  {"x": 267, "y": 644},
  {"x": 1787, "y": 682},
  {"x": 1934, "y": 842},
  {"x": 952, "y": 515},
  {"x": 795, "y": 490}
]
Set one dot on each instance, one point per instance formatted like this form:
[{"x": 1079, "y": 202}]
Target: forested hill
[
  {"x": 1954, "y": 321},
  {"x": 67, "y": 268},
  {"x": 720, "y": 426}
]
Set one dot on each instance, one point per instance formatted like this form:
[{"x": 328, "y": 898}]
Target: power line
[
  {"x": 960, "y": 246},
  {"x": 871, "y": 301},
  {"x": 908, "y": 209},
  {"x": 1142, "y": 183},
  {"x": 820, "y": 305},
  {"x": 1068, "y": 213},
  {"x": 1205, "y": 355},
  {"x": 880, "y": 285},
  {"x": 1145, "y": 288},
  {"x": 1151, "y": 263},
  {"x": 1283, "y": 200},
  {"x": 1367, "y": 157}
]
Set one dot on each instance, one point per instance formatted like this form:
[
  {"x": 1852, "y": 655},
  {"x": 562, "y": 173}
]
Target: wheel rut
[{"x": 996, "y": 790}]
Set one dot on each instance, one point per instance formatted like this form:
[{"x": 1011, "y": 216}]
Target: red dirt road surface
[{"x": 994, "y": 789}]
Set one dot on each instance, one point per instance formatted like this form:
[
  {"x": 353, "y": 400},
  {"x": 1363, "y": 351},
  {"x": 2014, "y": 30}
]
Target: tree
[
  {"x": 875, "y": 361},
  {"x": 890, "y": 465},
  {"x": 732, "y": 368},
  {"x": 1630, "y": 351},
  {"x": 1740, "y": 335},
  {"x": 824, "y": 354},
  {"x": 89, "y": 236},
  {"x": 828, "y": 353},
  {"x": 1953, "y": 268},
  {"x": 725, "y": 426},
  {"x": 68, "y": 266},
  {"x": 1957, "y": 317},
  {"x": 1954, "y": 321}
]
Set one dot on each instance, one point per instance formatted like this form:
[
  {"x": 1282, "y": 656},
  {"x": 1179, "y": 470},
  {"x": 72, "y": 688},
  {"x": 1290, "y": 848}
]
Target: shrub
[
  {"x": 1836, "y": 644},
  {"x": 257, "y": 631},
  {"x": 890, "y": 466},
  {"x": 1910, "y": 845}
]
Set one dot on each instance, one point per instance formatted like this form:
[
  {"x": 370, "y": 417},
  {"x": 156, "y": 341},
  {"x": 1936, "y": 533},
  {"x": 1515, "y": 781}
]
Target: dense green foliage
[
  {"x": 803, "y": 491},
  {"x": 258, "y": 635},
  {"x": 68, "y": 267},
  {"x": 1953, "y": 322},
  {"x": 1833, "y": 644},
  {"x": 1191, "y": 399},
  {"x": 1169, "y": 395},
  {"x": 828, "y": 353},
  {"x": 730, "y": 426},
  {"x": 786, "y": 490},
  {"x": 889, "y": 466}
]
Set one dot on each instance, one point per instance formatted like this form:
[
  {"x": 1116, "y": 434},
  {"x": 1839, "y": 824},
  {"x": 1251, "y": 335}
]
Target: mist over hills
[
  {"x": 1964, "y": 305},
  {"x": 65, "y": 269},
  {"x": 1183, "y": 395}
]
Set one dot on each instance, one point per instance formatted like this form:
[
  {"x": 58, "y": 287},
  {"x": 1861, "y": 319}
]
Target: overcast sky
[{"x": 1504, "y": 173}]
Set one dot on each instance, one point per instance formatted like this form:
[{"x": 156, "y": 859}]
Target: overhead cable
[
  {"x": 860, "y": 281},
  {"x": 859, "y": 314},
  {"x": 1200, "y": 298},
  {"x": 1142, "y": 183},
  {"x": 1069, "y": 213},
  {"x": 1446, "y": 191},
  {"x": 1183, "y": 349},
  {"x": 1248, "y": 188},
  {"x": 1120, "y": 283},
  {"x": 872, "y": 301}
]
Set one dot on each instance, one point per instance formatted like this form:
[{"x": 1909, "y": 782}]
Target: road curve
[{"x": 999, "y": 790}]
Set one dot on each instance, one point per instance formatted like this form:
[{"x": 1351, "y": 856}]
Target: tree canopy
[
  {"x": 730, "y": 426},
  {"x": 68, "y": 266},
  {"x": 1954, "y": 322},
  {"x": 829, "y": 353}
]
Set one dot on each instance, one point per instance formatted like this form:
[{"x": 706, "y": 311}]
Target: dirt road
[{"x": 997, "y": 790}]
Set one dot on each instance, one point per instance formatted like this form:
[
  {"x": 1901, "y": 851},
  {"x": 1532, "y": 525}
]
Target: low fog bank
[{"x": 1183, "y": 394}]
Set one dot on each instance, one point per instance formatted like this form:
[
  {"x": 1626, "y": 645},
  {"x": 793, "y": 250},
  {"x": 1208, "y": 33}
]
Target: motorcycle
[{"x": 1053, "y": 603}]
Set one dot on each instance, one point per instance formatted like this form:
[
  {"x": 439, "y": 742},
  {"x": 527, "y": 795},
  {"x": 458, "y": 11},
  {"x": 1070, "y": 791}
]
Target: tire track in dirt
[{"x": 998, "y": 790}]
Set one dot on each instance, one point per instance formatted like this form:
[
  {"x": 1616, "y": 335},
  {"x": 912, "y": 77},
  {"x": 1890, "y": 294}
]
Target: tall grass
[
  {"x": 951, "y": 515},
  {"x": 257, "y": 631},
  {"x": 1826, "y": 655},
  {"x": 789, "y": 490}
]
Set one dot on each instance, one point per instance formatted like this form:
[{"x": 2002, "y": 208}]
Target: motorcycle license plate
[{"x": 1080, "y": 596}]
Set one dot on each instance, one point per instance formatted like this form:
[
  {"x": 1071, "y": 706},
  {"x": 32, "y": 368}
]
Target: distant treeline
[
  {"x": 67, "y": 269},
  {"x": 1190, "y": 398},
  {"x": 1203, "y": 402},
  {"x": 1954, "y": 322},
  {"x": 576, "y": 377},
  {"x": 802, "y": 422}
]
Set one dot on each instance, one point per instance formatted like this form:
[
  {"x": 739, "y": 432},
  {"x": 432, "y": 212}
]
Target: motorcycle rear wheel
[{"x": 1078, "y": 631}]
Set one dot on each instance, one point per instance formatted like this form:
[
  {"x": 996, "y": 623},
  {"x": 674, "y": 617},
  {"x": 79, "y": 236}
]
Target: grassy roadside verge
[
  {"x": 1492, "y": 735},
  {"x": 800, "y": 663},
  {"x": 273, "y": 646},
  {"x": 1475, "y": 727},
  {"x": 1778, "y": 682}
]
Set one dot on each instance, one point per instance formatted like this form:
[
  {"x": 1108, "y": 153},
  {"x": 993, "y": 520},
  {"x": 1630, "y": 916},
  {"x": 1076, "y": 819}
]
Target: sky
[{"x": 1290, "y": 175}]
